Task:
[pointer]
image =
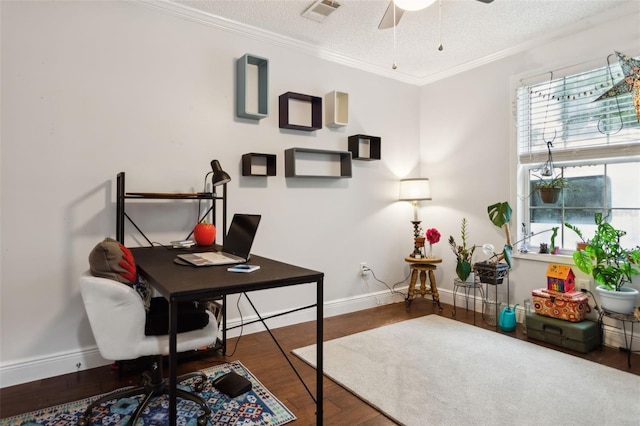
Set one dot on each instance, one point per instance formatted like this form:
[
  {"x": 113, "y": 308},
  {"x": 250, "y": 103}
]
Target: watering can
[{"x": 507, "y": 321}]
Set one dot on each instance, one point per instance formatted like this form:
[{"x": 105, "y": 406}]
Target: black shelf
[
  {"x": 316, "y": 111},
  {"x": 122, "y": 196},
  {"x": 249, "y": 160},
  {"x": 374, "y": 147},
  {"x": 292, "y": 156}
]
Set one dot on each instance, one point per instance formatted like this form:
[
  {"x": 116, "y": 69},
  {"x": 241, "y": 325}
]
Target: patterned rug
[{"x": 256, "y": 407}]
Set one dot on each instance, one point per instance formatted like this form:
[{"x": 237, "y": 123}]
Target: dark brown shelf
[
  {"x": 291, "y": 156},
  {"x": 374, "y": 147},
  {"x": 316, "y": 111},
  {"x": 248, "y": 161}
]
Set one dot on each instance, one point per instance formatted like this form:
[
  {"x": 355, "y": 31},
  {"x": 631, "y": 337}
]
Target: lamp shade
[
  {"x": 415, "y": 189},
  {"x": 219, "y": 176},
  {"x": 413, "y": 4}
]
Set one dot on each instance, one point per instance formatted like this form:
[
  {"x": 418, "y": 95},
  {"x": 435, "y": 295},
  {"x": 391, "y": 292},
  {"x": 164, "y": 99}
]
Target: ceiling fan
[{"x": 401, "y": 6}]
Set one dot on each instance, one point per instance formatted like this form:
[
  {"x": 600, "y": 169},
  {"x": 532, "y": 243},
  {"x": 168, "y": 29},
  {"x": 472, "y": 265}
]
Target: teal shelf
[{"x": 242, "y": 76}]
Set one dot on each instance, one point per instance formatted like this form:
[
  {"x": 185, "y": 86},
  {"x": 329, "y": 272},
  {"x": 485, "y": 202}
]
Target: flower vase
[{"x": 430, "y": 254}]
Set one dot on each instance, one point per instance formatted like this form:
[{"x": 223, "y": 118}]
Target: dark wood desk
[{"x": 179, "y": 283}]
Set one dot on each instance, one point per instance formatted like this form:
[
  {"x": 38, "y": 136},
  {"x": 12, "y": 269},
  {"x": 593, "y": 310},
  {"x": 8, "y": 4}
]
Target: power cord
[
  {"x": 392, "y": 289},
  {"x": 241, "y": 327}
]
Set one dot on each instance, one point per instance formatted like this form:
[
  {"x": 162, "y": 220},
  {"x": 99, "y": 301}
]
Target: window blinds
[{"x": 566, "y": 111}]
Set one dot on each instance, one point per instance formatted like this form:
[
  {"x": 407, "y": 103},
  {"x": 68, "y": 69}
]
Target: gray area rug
[{"x": 436, "y": 371}]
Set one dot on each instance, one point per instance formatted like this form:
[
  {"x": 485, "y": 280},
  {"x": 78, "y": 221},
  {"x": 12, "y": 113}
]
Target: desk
[
  {"x": 422, "y": 266},
  {"x": 178, "y": 283}
]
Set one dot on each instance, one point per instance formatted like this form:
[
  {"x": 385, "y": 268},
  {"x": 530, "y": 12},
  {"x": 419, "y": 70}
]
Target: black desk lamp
[{"x": 219, "y": 176}]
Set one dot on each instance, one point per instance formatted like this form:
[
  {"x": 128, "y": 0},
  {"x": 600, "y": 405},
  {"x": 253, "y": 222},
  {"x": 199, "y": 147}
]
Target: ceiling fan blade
[{"x": 387, "y": 19}]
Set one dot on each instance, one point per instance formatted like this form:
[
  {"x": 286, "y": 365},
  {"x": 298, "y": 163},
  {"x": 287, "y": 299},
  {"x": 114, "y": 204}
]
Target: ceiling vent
[{"x": 320, "y": 9}]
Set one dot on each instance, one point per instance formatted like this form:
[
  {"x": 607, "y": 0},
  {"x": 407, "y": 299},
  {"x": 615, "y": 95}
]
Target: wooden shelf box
[
  {"x": 315, "y": 102},
  {"x": 365, "y": 148},
  {"x": 255, "y": 164},
  {"x": 337, "y": 109},
  {"x": 305, "y": 162},
  {"x": 244, "y": 77}
]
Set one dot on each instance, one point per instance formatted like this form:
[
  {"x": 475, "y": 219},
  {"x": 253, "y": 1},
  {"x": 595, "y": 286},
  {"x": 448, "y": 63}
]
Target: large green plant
[
  {"x": 500, "y": 216},
  {"x": 463, "y": 252},
  {"x": 605, "y": 259}
]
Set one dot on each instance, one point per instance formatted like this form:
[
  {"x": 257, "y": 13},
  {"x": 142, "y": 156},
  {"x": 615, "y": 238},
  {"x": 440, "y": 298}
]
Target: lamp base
[{"x": 418, "y": 241}]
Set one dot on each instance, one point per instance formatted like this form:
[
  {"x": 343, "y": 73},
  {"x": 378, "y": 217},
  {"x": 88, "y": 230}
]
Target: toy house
[{"x": 560, "y": 278}]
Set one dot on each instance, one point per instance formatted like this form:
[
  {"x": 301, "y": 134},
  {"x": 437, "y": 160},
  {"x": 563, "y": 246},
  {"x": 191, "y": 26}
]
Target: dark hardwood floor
[{"x": 260, "y": 355}]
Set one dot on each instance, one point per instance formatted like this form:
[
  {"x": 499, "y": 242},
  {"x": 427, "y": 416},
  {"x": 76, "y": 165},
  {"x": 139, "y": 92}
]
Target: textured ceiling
[{"x": 472, "y": 32}]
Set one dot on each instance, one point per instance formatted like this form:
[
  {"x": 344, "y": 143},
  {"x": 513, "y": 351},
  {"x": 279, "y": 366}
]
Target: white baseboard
[{"x": 64, "y": 363}]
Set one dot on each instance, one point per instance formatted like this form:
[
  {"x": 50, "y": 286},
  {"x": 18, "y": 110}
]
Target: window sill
[{"x": 562, "y": 258}]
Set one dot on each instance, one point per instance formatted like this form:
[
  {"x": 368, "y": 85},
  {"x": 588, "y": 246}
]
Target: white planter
[
  {"x": 471, "y": 279},
  {"x": 622, "y": 302}
]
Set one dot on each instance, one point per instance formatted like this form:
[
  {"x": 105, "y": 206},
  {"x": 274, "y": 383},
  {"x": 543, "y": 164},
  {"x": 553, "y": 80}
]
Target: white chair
[{"x": 117, "y": 316}]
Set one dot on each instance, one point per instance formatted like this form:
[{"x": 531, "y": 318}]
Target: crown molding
[{"x": 195, "y": 15}]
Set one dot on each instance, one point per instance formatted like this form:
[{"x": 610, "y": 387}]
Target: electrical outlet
[
  {"x": 364, "y": 269},
  {"x": 583, "y": 284}
]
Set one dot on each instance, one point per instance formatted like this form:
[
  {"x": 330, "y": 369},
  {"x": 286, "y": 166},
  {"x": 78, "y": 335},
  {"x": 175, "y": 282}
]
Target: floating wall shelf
[
  {"x": 242, "y": 66},
  {"x": 316, "y": 111},
  {"x": 305, "y": 162},
  {"x": 254, "y": 164},
  {"x": 358, "y": 141},
  {"x": 337, "y": 109}
]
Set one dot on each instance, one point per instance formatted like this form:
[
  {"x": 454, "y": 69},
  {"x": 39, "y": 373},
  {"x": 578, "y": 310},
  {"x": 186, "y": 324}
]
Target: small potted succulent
[
  {"x": 464, "y": 254},
  {"x": 611, "y": 265}
]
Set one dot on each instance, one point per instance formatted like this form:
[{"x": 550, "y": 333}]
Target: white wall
[
  {"x": 467, "y": 142},
  {"x": 93, "y": 88},
  {"x": 90, "y": 89}
]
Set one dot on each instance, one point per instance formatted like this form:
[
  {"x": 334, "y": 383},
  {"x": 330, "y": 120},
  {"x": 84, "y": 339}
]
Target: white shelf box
[{"x": 337, "y": 109}]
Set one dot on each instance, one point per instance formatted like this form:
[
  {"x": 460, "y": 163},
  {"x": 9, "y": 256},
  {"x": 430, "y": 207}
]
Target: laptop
[{"x": 236, "y": 247}]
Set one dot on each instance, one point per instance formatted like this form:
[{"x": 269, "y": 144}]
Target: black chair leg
[{"x": 153, "y": 385}]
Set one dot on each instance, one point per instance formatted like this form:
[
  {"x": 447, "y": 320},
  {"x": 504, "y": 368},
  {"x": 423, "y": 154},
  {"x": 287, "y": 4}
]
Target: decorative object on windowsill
[
  {"x": 544, "y": 248},
  {"x": 629, "y": 84},
  {"x": 464, "y": 254},
  {"x": 611, "y": 265},
  {"x": 433, "y": 236},
  {"x": 582, "y": 244},
  {"x": 554, "y": 249},
  {"x": 493, "y": 271},
  {"x": 414, "y": 190}
]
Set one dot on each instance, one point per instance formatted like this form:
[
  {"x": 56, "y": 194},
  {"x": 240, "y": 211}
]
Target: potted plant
[
  {"x": 550, "y": 189},
  {"x": 492, "y": 270},
  {"x": 554, "y": 249},
  {"x": 583, "y": 243},
  {"x": 611, "y": 265},
  {"x": 464, "y": 254}
]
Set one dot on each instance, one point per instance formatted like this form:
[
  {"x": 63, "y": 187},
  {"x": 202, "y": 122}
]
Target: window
[{"x": 595, "y": 146}]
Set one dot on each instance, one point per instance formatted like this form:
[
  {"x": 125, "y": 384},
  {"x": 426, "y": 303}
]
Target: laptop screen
[{"x": 241, "y": 234}]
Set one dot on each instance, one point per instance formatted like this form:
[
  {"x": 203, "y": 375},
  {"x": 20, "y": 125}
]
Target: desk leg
[
  {"x": 319, "y": 351},
  {"x": 173, "y": 361}
]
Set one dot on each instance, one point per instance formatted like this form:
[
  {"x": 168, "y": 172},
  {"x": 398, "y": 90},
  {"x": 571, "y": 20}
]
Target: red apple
[{"x": 204, "y": 233}]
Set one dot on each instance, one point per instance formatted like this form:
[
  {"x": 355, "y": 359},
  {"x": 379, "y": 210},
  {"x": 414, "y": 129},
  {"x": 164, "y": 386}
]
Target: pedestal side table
[{"x": 422, "y": 266}]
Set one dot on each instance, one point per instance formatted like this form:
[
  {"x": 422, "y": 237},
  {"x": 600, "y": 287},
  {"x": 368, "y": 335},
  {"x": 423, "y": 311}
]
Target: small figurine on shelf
[{"x": 433, "y": 236}]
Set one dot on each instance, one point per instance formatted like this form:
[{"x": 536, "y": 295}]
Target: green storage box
[{"x": 580, "y": 336}]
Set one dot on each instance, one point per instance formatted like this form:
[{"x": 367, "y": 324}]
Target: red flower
[{"x": 433, "y": 236}]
